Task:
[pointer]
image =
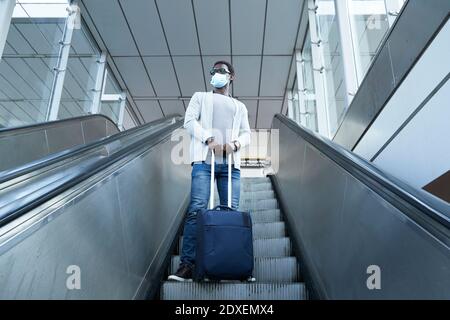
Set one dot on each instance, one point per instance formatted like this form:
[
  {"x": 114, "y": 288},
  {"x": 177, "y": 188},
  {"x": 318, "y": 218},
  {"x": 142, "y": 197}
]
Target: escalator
[
  {"x": 113, "y": 209},
  {"x": 276, "y": 268}
]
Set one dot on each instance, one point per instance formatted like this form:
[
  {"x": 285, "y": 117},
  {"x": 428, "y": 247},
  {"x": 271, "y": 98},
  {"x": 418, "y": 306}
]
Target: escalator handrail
[
  {"x": 49, "y": 124},
  {"x": 88, "y": 171},
  {"x": 65, "y": 154},
  {"x": 390, "y": 188}
]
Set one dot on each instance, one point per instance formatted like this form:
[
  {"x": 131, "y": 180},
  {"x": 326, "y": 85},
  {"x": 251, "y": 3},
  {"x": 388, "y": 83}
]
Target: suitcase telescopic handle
[{"x": 211, "y": 190}]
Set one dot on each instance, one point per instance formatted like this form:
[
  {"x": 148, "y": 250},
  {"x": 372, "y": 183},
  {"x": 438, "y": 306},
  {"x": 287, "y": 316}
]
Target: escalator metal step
[
  {"x": 258, "y": 205},
  {"x": 280, "y": 247},
  {"x": 251, "y": 187},
  {"x": 266, "y": 216},
  {"x": 255, "y": 179},
  {"x": 269, "y": 230},
  {"x": 258, "y": 195},
  {"x": 266, "y": 269},
  {"x": 232, "y": 291},
  {"x": 250, "y": 196}
]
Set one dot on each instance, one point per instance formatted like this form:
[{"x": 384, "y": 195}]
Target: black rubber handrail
[
  {"x": 62, "y": 155},
  {"x": 35, "y": 126},
  {"x": 93, "y": 167},
  {"x": 425, "y": 209}
]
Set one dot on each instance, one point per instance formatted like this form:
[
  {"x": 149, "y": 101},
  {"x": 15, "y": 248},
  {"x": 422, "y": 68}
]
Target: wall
[{"x": 410, "y": 138}]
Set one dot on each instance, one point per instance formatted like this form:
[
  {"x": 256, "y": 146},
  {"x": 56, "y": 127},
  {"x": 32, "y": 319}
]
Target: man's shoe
[{"x": 183, "y": 274}]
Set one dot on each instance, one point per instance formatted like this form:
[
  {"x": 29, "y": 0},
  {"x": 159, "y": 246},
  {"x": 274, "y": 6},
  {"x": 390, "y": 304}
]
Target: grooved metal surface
[
  {"x": 267, "y": 269},
  {"x": 40, "y": 140},
  {"x": 343, "y": 225},
  {"x": 232, "y": 291},
  {"x": 116, "y": 226},
  {"x": 276, "y": 270}
]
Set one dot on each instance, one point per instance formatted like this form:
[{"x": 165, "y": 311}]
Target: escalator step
[
  {"x": 232, "y": 291},
  {"x": 255, "y": 179},
  {"x": 280, "y": 247},
  {"x": 258, "y": 195},
  {"x": 266, "y": 269},
  {"x": 259, "y": 205},
  {"x": 250, "y": 196},
  {"x": 266, "y": 216},
  {"x": 249, "y": 187},
  {"x": 269, "y": 230}
]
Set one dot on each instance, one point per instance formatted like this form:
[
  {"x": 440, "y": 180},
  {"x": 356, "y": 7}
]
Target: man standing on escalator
[{"x": 217, "y": 123}]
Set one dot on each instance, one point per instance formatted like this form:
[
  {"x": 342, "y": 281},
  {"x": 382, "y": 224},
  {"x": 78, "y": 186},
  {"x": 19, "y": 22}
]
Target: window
[
  {"x": 83, "y": 65},
  {"x": 370, "y": 20},
  {"x": 328, "y": 31},
  {"x": 26, "y": 68}
]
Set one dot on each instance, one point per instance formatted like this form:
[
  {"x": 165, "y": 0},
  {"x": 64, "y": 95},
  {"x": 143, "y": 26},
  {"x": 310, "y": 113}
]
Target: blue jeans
[{"x": 200, "y": 189}]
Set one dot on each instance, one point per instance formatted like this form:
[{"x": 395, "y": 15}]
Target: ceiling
[{"x": 161, "y": 50}]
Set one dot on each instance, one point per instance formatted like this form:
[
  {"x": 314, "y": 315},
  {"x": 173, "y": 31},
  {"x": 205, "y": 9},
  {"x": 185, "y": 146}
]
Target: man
[{"x": 217, "y": 123}]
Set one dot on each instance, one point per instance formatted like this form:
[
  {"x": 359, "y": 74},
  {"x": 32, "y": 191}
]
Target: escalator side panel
[
  {"x": 344, "y": 227},
  {"x": 25, "y": 144},
  {"x": 116, "y": 227}
]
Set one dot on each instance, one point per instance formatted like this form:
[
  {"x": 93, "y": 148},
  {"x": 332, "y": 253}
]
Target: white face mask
[{"x": 219, "y": 80}]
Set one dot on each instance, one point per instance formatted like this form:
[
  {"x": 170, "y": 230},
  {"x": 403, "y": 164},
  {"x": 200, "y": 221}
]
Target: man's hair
[{"x": 230, "y": 67}]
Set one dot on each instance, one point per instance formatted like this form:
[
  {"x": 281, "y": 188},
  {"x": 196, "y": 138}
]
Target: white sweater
[{"x": 198, "y": 122}]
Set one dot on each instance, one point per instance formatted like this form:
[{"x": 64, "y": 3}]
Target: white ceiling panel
[
  {"x": 133, "y": 72},
  {"x": 163, "y": 76},
  {"x": 247, "y": 75},
  {"x": 208, "y": 63},
  {"x": 266, "y": 110},
  {"x": 146, "y": 26},
  {"x": 274, "y": 75},
  {"x": 283, "y": 18},
  {"x": 172, "y": 106},
  {"x": 178, "y": 22},
  {"x": 112, "y": 26},
  {"x": 149, "y": 109},
  {"x": 247, "y": 25},
  {"x": 251, "y": 108},
  {"x": 208, "y": 14},
  {"x": 189, "y": 71}
]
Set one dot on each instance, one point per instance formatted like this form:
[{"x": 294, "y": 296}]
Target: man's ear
[{"x": 232, "y": 77}]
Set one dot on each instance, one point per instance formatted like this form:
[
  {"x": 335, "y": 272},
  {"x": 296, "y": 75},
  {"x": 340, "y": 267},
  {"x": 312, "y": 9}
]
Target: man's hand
[
  {"x": 231, "y": 147},
  {"x": 214, "y": 146}
]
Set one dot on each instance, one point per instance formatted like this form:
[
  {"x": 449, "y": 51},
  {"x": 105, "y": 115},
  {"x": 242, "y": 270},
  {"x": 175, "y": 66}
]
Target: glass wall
[
  {"x": 328, "y": 31},
  {"x": 112, "y": 98},
  {"x": 52, "y": 68},
  {"x": 81, "y": 73},
  {"x": 369, "y": 24},
  {"x": 26, "y": 68},
  {"x": 330, "y": 80},
  {"x": 308, "y": 89}
]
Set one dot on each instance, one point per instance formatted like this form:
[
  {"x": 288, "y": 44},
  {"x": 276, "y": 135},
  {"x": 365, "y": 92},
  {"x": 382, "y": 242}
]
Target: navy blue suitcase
[{"x": 224, "y": 240}]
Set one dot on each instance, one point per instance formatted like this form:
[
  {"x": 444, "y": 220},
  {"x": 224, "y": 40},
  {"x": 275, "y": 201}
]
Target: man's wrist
[
  {"x": 209, "y": 140},
  {"x": 236, "y": 145}
]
